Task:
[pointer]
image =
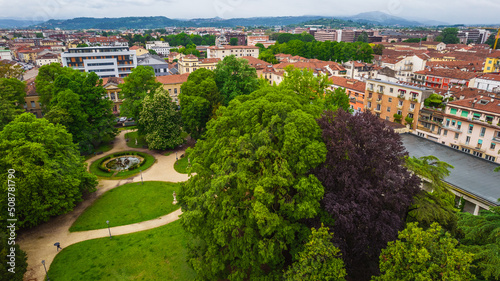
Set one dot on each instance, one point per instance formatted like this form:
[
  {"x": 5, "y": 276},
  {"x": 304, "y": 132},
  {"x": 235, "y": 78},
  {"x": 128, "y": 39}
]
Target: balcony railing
[
  {"x": 379, "y": 101},
  {"x": 401, "y": 97}
]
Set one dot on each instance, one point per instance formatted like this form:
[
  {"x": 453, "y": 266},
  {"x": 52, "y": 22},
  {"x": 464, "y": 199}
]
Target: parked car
[
  {"x": 123, "y": 119},
  {"x": 131, "y": 119}
]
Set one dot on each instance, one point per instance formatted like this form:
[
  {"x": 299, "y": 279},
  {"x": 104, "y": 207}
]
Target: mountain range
[{"x": 376, "y": 18}]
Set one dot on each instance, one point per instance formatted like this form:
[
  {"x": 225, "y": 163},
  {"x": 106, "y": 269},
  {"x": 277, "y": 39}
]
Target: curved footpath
[{"x": 38, "y": 243}]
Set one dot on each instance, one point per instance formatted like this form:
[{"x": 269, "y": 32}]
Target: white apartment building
[
  {"x": 160, "y": 47},
  {"x": 104, "y": 61},
  {"x": 226, "y": 50}
]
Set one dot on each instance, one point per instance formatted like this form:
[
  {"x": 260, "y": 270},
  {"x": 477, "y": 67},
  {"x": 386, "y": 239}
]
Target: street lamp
[
  {"x": 176, "y": 159},
  {"x": 141, "y": 177},
  {"x": 109, "y": 230},
  {"x": 43, "y": 262}
]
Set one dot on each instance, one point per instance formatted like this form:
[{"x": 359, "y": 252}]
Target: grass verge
[
  {"x": 181, "y": 165},
  {"x": 127, "y": 204},
  {"x": 156, "y": 254}
]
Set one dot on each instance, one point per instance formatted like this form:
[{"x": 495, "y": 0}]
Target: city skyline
[{"x": 458, "y": 12}]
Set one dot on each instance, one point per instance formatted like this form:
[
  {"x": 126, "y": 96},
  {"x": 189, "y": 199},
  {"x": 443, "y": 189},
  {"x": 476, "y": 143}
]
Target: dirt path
[{"x": 38, "y": 242}]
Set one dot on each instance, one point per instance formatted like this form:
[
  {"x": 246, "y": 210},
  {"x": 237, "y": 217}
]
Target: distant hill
[
  {"x": 159, "y": 22},
  {"x": 12, "y": 23},
  {"x": 381, "y": 18},
  {"x": 335, "y": 23}
]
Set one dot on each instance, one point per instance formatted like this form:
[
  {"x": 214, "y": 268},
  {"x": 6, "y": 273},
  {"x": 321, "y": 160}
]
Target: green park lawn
[
  {"x": 131, "y": 136},
  {"x": 181, "y": 165},
  {"x": 156, "y": 254},
  {"x": 127, "y": 204}
]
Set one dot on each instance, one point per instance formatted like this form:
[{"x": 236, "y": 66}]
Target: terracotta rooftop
[
  {"x": 228, "y": 47},
  {"x": 114, "y": 80},
  {"x": 348, "y": 83},
  {"x": 490, "y": 76},
  {"x": 448, "y": 73},
  {"x": 483, "y": 103},
  {"x": 466, "y": 93},
  {"x": 173, "y": 79},
  {"x": 210, "y": 60},
  {"x": 256, "y": 63}
]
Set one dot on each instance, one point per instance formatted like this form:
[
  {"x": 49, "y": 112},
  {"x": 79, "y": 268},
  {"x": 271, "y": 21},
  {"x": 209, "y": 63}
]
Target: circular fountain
[{"x": 123, "y": 162}]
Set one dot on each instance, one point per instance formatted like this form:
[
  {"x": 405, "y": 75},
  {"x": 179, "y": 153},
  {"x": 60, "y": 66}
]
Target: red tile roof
[
  {"x": 492, "y": 105},
  {"x": 348, "y": 83},
  {"x": 448, "y": 73},
  {"x": 173, "y": 79}
]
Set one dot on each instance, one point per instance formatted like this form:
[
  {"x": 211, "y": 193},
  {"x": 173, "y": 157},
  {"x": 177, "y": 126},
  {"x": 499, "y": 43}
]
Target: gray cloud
[{"x": 452, "y": 11}]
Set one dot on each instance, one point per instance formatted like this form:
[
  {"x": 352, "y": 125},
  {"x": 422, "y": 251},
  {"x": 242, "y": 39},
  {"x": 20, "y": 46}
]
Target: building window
[
  {"x": 113, "y": 96},
  {"x": 483, "y": 131},
  {"x": 378, "y": 107},
  {"x": 492, "y": 146},
  {"x": 454, "y": 146},
  {"x": 471, "y": 127},
  {"x": 478, "y": 154},
  {"x": 369, "y": 104},
  {"x": 445, "y": 132},
  {"x": 447, "y": 122},
  {"x": 466, "y": 150},
  {"x": 420, "y": 134},
  {"x": 489, "y": 158},
  {"x": 459, "y": 125},
  {"x": 453, "y": 111},
  {"x": 456, "y": 135},
  {"x": 391, "y": 90},
  {"x": 453, "y": 123},
  {"x": 467, "y": 140},
  {"x": 412, "y": 106},
  {"x": 410, "y": 115},
  {"x": 400, "y": 103},
  {"x": 400, "y": 112},
  {"x": 175, "y": 91},
  {"x": 32, "y": 104},
  {"x": 390, "y": 99},
  {"x": 388, "y": 109}
]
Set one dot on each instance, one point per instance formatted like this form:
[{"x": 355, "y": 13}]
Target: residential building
[
  {"x": 473, "y": 126},
  {"x": 385, "y": 99},
  {"x": 111, "y": 85},
  {"x": 492, "y": 63},
  {"x": 430, "y": 123},
  {"x": 31, "y": 100},
  {"x": 111, "y": 41},
  {"x": 325, "y": 36},
  {"x": 445, "y": 78},
  {"x": 354, "y": 89},
  {"x": 220, "y": 52},
  {"x": 259, "y": 65},
  {"x": 172, "y": 84},
  {"x": 254, "y": 39},
  {"x": 160, "y": 47},
  {"x": 5, "y": 54},
  {"x": 489, "y": 82},
  {"x": 104, "y": 61},
  {"x": 190, "y": 63},
  {"x": 139, "y": 51},
  {"x": 159, "y": 65},
  {"x": 438, "y": 46},
  {"x": 47, "y": 59},
  {"x": 345, "y": 35},
  {"x": 241, "y": 37}
]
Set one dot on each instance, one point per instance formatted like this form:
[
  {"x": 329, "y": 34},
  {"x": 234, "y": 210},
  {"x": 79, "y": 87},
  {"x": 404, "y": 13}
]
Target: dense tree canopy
[
  {"x": 285, "y": 37},
  {"x": 367, "y": 188},
  {"x": 316, "y": 88},
  {"x": 50, "y": 174},
  {"x": 77, "y": 101},
  {"x": 449, "y": 36},
  {"x": 327, "y": 51},
  {"x": 235, "y": 77},
  {"x": 160, "y": 121},
  {"x": 320, "y": 260},
  {"x": 252, "y": 188},
  {"x": 12, "y": 95},
  {"x": 481, "y": 237},
  {"x": 424, "y": 255},
  {"x": 8, "y": 70},
  {"x": 140, "y": 83},
  {"x": 199, "y": 100}
]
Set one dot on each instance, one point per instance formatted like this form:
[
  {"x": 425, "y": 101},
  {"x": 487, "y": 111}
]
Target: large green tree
[
  {"x": 160, "y": 121},
  {"x": 140, "y": 83},
  {"x": 419, "y": 254},
  {"x": 320, "y": 260},
  {"x": 316, "y": 88},
  {"x": 434, "y": 203},
  {"x": 235, "y": 77},
  {"x": 50, "y": 175},
  {"x": 449, "y": 36},
  {"x": 199, "y": 100},
  {"x": 77, "y": 101},
  {"x": 481, "y": 237},
  {"x": 252, "y": 187},
  {"x": 12, "y": 93}
]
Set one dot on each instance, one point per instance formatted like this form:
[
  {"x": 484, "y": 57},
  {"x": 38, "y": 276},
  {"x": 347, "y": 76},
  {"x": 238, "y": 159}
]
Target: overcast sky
[{"x": 450, "y": 11}]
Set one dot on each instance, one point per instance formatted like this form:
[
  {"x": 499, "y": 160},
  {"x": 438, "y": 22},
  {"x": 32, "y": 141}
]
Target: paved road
[{"x": 38, "y": 242}]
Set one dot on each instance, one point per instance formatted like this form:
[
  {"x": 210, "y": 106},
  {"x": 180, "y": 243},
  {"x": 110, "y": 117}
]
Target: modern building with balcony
[
  {"x": 104, "y": 61},
  {"x": 389, "y": 100},
  {"x": 473, "y": 126}
]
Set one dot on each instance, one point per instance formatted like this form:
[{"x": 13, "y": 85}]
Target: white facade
[
  {"x": 160, "y": 47},
  {"x": 5, "y": 55},
  {"x": 488, "y": 83},
  {"x": 46, "y": 60},
  {"x": 238, "y": 51},
  {"x": 104, "y": 61}
]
